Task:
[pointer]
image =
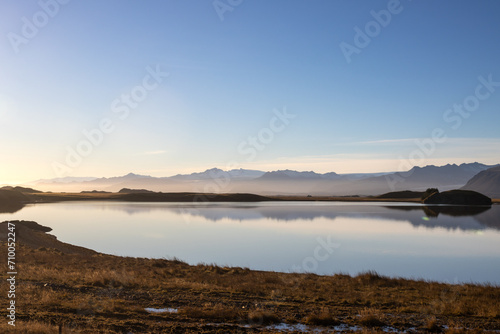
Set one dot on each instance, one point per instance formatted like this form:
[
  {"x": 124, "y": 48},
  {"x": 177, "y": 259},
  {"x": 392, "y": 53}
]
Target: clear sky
[{"x": 167, "y": 87}]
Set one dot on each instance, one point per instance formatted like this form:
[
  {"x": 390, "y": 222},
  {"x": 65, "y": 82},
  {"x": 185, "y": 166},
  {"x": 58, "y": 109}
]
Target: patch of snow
[
  {"x": 388, "y": 329},
  {"x": 161, "y": 310},
  {"x": 344, "y": 327},
  {"x": 283, "y": 327},
  {"x": 288, "y": 327}
]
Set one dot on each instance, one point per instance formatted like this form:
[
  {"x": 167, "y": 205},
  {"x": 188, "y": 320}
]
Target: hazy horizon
[
  {"x": 165, "y": 88},
  {"x": 224, "y": 170}
]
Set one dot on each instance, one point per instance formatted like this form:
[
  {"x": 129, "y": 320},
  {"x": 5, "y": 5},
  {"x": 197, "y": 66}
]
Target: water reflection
[
  {"x": 436, "y": 210},
  {"x": 485, "y": 216},
  {"x": 454, "y": 211},
  {"x": 393, "y": 239},
  {"x": 448, "y": 217}
]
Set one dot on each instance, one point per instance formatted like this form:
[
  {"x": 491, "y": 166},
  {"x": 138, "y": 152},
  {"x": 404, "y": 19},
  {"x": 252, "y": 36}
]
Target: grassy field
[{"x": 76, "y": 290}]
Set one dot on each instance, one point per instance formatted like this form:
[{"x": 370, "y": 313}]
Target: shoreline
[
  {"x": 206, "y": 197},
  {"x": 13, "y": 198},
  {"x": 83, "y": 290},
  {"x": 211, "y": 197}
]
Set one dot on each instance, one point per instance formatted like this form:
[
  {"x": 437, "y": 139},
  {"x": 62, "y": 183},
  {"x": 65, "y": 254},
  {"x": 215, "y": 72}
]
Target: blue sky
[{"x": 232, "y": 68}]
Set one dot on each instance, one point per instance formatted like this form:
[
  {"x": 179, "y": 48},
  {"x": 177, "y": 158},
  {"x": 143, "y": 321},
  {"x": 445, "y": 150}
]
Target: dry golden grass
[
  {"x": 432, "y": 326},
  {"x": 87, "y": 292},
  {"x": 262, "y": 317},
  {"x": 34, "y": 327},
  {"x": 212, "y": 312},
  {"x": 371, "y": 318},
  {"x": 323, "y": 318}
]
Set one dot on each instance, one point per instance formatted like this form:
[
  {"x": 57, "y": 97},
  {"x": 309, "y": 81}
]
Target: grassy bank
[{"x": 81, "y": 291}]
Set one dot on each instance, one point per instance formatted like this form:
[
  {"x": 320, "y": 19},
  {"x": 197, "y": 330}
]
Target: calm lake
[{"x": 447, "y": 244}]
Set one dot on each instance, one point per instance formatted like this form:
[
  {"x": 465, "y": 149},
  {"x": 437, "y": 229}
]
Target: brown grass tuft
[
  {"x": 370, "y": 277},
  {"x": 432, "y": 326},
  {"x": 370, "y": 319},
  {"x": 217, "y": 312},
  {"x": 263, "y": 318},
  {"x": 34, "y": 327},
  {"x": 323, "y": 319}
]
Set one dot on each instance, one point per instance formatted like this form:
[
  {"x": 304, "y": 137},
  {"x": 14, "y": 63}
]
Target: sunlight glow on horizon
[{"x": 342, "y": 167}]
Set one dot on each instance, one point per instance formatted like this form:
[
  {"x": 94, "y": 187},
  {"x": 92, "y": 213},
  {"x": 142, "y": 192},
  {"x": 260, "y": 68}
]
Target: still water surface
[{"x": 404, "y": 240}]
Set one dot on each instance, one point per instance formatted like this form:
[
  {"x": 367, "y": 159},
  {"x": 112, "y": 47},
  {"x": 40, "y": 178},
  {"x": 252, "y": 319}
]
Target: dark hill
[
  {"x": 458, "y": 197},
  {"x": 12, "y": 196},
  {"x": 134, "y": 191},
  {"x": 11, "y": 200},
  {"x": 95, "y": 192},
  {"x": 402, "y": 194},
  {"x": 192, "y": 197},
  {"x": 23, "y": 190},
  {"x": 486, "y": 182}
]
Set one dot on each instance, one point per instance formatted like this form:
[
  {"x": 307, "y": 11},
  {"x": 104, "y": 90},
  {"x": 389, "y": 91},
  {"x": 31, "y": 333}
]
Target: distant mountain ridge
[
  {"x": 129, "y": 176},
  {"x": 282, "y": 182},
  {"x": 291, "y": 174},
  {"x": 67, "y": 179},
  {"x": 216, "y": 172},
  {"x": 448, "y": 177},
  {"x": 486, "y": 182}
]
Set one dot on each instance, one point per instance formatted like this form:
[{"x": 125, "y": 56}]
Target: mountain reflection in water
[
  {"x": 395, "y": 239},
  {"x": 448, "y": 217}
]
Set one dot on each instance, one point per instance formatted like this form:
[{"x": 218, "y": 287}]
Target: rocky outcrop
[{"x": 458, "y": 197}]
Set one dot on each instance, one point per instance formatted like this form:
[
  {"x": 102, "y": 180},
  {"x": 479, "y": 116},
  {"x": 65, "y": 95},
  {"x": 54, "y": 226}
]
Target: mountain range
[
  {"x": 486, "y": 182},
  {"x": 290, "y": 182}
]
